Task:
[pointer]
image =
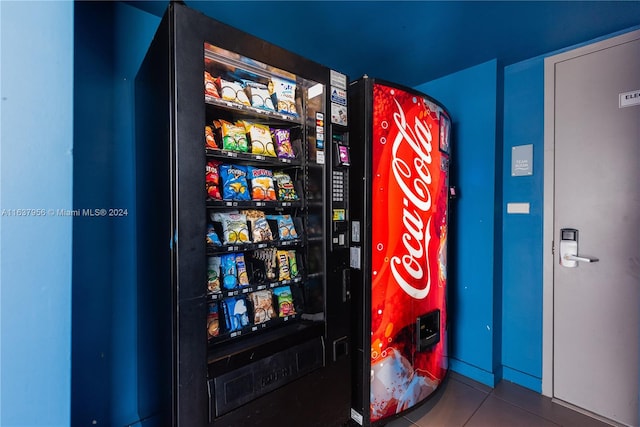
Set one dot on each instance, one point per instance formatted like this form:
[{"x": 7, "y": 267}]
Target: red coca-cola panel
[{"x": 409, "y": 240}]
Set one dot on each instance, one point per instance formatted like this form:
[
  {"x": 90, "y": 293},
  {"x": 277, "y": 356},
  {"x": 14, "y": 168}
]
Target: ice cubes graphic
[{"x": 395, "y": 385}]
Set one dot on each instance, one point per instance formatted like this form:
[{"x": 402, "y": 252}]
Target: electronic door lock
[{"x": 569, "y": 249}]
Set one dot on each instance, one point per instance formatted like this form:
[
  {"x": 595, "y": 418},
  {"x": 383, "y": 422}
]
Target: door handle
[
  {"x": 580, "y": 258},
  {"x": 569, "y": 249}
]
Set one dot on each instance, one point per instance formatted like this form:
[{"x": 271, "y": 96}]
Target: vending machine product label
[
  {"x": 339, "y": 114},
  {"x": 339, "y": 96},
  {"x": 409, "y": 235},
  {"x": 338, "y": 79}
]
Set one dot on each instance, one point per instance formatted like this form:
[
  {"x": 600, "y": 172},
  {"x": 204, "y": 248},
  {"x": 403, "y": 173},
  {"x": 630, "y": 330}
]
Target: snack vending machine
[
  {"x": 399, "y": 209},
  {"x": 242, "y": 183}
]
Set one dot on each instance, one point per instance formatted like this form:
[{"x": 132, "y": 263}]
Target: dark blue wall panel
[
  {"x": 111, "y": 39},
  {"x": 134, "y": 30},
  {"x": 93, "y": 248}
]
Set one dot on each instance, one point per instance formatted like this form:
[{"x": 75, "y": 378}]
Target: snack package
[
  {"x": 282, "y": 137},
  {"x": 212, "y": 236},
  {"x": 212, "y": 179},
  {"x": 260, "y": 230},
  {"x": 269, "y": 264},
  {"x": 236, "y": 315},
  {"x": 241, "y": 271},
  {"x": 234, "y": 182},
  {"x": 210, "y": 87},
  {"x": 234, "y": 227},
  {"x": 286, "y": 190},
  {"x": 260, "y": 137},
  {"x": 233, "y": 136},
  {"x": 286, "y": 228},
  {"x": 210, "y": 138},
  {"x": 233, "y": 91},
  {"x": 213, "y": 274},
  {"x": 213, "y": 323},
  {"x": 283, "y": 265},
  {"x": 285, "y": 91},
  {"x": 262, "y": 187},
  {"x": 229, "y": 271},
  {"x": 293, "y": 264},
  {"x": 259, "y": 95},
  {"x": 285, "y": 301},
  {"x": 262, "y": 302}
]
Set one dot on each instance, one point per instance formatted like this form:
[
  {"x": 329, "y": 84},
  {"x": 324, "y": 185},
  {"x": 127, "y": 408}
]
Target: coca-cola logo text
[{"x": 412, "y": 175}]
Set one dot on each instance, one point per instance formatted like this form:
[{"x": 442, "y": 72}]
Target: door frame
[{"x": 549, "y": 259}]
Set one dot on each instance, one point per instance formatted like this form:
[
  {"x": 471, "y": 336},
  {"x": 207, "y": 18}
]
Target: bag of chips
[
  {"x": 210, "y": 86},
  {"x": 236, "y": 315},
  {"x": 262, "y": 302},
  {"x": 241, "y": 271},
  {"x": 260, "y": 137},
  {"x": 233, "y": 91},
  {"x": 262, "y": 187},
  {"x": 234, "y": 182},
  {"x": 212, "y": 236},
  {"x": 285, "y": 301},
  {"x": 213, "y": 274},
  {"x": 283, "y": 265},
  {"x": 229, "y": 271},
  {"x": 259, "y": 95},
  {"x": 233, "y": 136},
  {"x": 210, "y": 138},
  {"x": 260, "y": 230},
  {"x": 286, "y": 228},
  {"x": 234, "y": 227},
  {"x": 282, "y": 137},
  {"x": 293, "y": 264},
  {"x": 213, "y": 323},
  {"x": 286, "y": 94},
  {"x": 212, "y": 179},
  {"x": 286, "y": 190}
]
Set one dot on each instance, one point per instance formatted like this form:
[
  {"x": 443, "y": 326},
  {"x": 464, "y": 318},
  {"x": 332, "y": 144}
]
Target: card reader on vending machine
[{"x": 340, "y": 188}]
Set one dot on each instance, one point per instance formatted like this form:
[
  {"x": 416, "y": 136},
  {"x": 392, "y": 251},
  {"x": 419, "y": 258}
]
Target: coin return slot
[{"x": 428, "y": 330}]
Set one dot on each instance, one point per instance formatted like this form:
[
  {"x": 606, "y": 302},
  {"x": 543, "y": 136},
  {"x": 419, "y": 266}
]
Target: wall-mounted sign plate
[
  {"x": 522, "y": 160},
  {"x": 629, "y": 99}
]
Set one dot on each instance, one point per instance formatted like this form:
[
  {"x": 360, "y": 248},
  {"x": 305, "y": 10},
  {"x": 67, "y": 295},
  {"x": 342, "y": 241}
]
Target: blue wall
[
  {"x": 472, "y": 98},
  {"x": 35, "y": 251},
  {"x": 522, "y": 233}
]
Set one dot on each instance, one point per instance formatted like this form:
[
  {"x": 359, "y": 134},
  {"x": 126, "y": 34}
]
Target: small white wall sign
[{"x": 629, "y": 99}]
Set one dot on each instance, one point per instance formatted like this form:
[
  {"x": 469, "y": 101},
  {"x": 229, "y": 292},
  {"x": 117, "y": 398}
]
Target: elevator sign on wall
[{"x": 629, "y": 99}]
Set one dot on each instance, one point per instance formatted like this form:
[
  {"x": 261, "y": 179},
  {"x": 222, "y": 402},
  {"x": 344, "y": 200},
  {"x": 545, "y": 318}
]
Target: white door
[{"x": 596, "y": 141}]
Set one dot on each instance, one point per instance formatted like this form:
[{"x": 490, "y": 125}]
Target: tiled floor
[{"x": 461, "y": 401}]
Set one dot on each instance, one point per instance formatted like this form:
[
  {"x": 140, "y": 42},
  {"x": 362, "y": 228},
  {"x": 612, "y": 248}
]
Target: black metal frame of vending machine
[
  {"x": 278, "y": 347},
  {"x": 391, "y": 386}
]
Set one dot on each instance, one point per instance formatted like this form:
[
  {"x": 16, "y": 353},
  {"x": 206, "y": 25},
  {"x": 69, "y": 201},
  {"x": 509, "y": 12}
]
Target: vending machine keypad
[{"x": 338, "y": 186}]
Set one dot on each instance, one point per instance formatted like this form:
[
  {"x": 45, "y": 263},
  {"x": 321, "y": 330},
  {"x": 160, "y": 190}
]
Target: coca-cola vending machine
[{"x": 398, "y": 248}]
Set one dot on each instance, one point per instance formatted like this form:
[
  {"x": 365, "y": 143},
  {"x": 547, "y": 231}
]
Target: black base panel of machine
[
  {"x": 320, "y": 399},
  {"x": 233, "y": 389}
]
